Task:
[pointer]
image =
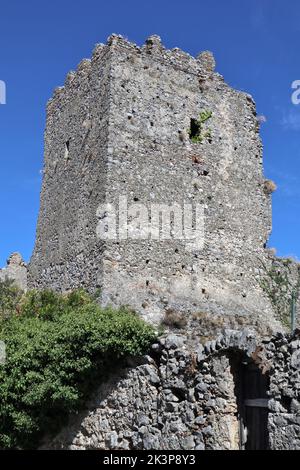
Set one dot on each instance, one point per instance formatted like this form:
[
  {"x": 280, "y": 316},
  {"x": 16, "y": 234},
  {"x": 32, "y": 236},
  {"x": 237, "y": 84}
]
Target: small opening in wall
[
  {"x": 136, "y": 199},
  {"x": 286, "y": 403},
  {"x": 151, "y": 123},
  {"x": 179, "y": 393},
  {"x": 195, "y": 128},
  {"x": 67, "y": 149},
  {"x": 147, "y": 283}
]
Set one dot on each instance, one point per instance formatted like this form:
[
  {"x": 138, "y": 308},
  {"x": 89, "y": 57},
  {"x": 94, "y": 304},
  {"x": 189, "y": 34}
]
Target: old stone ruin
[
  {"x": 16, "y": 270},
  {"x": 230, "y": 394},
  {"x": 147, "y": 125}
]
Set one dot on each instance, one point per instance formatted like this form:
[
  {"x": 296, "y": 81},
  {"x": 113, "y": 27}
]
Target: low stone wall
[
  {"x": 187, "y": 397},
  {"x": 284, "y": 418}
]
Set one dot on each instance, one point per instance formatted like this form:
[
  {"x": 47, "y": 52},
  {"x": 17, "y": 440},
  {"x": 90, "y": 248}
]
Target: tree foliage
[{"x": 58, "y": 347}]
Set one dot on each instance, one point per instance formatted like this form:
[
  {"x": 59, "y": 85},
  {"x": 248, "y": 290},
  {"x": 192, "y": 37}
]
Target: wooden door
[{"x": 255, "y": 408}]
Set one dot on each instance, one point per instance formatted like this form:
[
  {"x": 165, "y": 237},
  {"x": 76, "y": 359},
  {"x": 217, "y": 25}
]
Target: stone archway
[
  {"x": 192, "y": 397},
  {"x": 241, "y": 370}
]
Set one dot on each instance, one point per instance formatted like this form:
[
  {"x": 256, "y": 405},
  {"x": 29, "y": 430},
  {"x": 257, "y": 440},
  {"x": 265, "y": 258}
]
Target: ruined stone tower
[{"x": 123, "y": 126}]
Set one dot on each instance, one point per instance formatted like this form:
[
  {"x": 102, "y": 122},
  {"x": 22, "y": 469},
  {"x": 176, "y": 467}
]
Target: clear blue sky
[{"x": 256, "y": 47}]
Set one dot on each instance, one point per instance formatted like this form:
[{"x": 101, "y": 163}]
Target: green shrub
[
  {"x": 58, "y": 348},
  {"x": 10, "y": 296}
]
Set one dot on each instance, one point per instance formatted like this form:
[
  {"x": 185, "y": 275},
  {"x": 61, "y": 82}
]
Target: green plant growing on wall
[
  {"x": 196, "y": 132},
  {"x": 283, "y": 293},
  {"x": 58, "y": 348}
]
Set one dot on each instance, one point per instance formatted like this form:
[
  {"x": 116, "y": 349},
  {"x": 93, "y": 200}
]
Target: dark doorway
[{"x": 253, "y": 405}]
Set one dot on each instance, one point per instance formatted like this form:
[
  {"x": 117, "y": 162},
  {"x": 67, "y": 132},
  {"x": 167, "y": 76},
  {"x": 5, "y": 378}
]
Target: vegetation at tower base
[
  {"x": 57, "y": 348},
  {"x": 281, "y": 283}
]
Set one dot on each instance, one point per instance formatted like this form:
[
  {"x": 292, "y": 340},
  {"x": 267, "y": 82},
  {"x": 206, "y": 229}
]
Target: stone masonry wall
[
  {"x": 67, "y": 253},
  {"x": 184, "y": 396},
  {"x": 16, "y": 270},
  {"x": 280, "y": 279},
  {"x": 119, "y": 127}
]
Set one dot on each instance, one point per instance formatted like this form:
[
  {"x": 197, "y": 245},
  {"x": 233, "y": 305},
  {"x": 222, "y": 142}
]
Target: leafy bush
[
  {"x": 10, "y": 296},
  {"x": 58, "y": 347}
]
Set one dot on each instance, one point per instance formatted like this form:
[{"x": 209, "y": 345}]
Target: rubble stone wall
[
  {"x": 184, "y": 396},
  {"x": 120, "y": 128}
]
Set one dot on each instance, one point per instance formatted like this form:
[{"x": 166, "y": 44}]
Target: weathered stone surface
[
  {"x": 119, "y": 127},
  {"x": 192, "y": 407},
  {"x": 16, "y": 270}
]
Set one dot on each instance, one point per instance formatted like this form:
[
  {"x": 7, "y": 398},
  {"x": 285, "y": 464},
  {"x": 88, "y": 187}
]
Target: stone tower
[{"x": 126, "y": 124}]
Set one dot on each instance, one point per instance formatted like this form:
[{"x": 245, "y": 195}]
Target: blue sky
[{"x": 255, "y": 44}]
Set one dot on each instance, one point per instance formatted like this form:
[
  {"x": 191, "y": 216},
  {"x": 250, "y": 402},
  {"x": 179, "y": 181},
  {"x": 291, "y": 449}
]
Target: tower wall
[
  {"x": 67, "y": 250},
  {"x": 120, "y": 127}
]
